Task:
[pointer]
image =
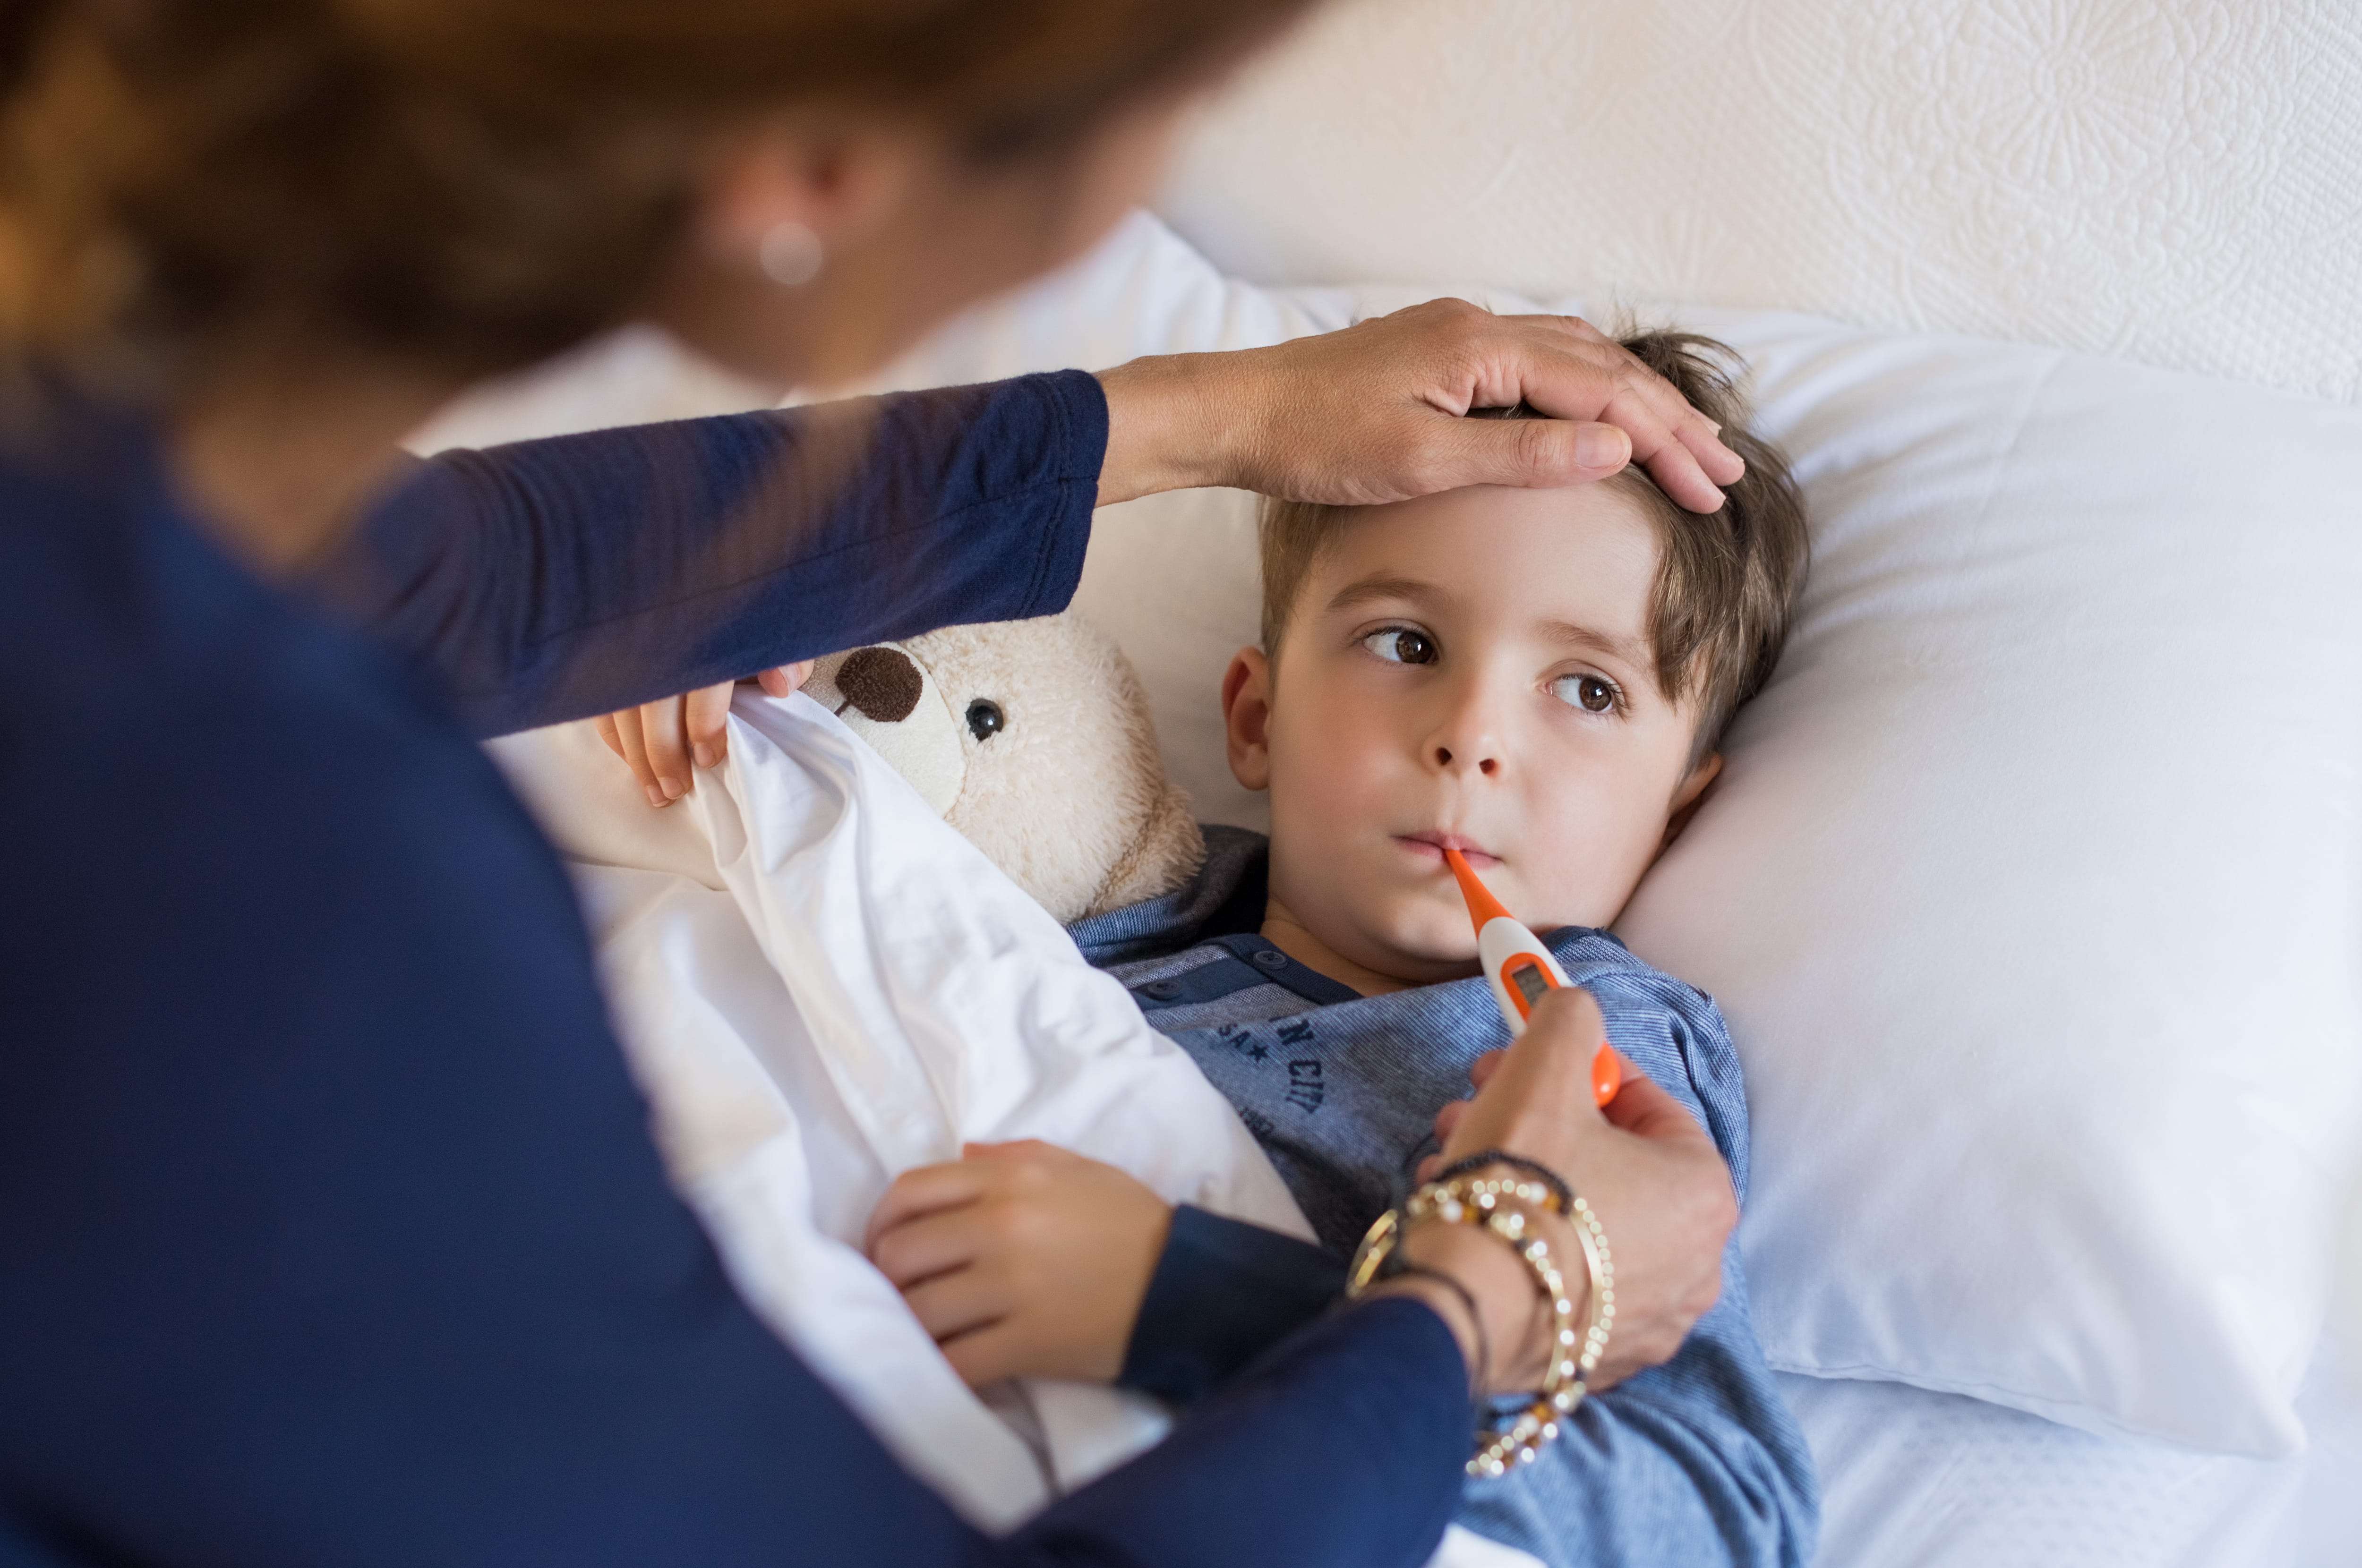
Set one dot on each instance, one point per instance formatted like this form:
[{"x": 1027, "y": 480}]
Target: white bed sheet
[{"x": 1917, "y": 1479}]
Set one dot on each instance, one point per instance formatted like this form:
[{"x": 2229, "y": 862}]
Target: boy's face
[{"x": 1470, "y": 670}]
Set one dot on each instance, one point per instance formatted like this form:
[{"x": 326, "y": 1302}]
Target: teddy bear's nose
[{"x": 882, "y": 684}]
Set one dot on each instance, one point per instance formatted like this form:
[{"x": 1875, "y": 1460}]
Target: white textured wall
[{"x": 2173, "y": 180}]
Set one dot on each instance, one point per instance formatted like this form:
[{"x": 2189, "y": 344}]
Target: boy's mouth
[{"x": 1431, "y": 845}]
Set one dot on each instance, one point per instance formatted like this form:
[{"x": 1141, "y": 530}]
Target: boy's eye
[
  {"x": 1400, "y": 644},
  {"x": 1592, "y": 693}
]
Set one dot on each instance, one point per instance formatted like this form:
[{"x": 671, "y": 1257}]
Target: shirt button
[
  {"x": 1272, "y": 958},
  {"x": 1163, "y": 991}
]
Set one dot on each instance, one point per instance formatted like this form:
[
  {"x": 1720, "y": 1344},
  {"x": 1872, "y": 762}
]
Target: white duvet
[{"x": 822, "y": 985}]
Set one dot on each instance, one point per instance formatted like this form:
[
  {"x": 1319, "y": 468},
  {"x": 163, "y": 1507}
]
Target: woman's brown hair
[{"x": 473, "y": 183}]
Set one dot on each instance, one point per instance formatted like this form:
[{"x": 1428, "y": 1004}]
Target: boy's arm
[{"x": 1028, "y": 1260}]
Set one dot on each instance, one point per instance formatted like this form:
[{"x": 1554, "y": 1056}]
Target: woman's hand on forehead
[{"x": 1373, "y": 414}]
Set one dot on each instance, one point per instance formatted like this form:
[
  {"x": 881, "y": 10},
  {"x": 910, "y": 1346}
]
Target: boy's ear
[
  {"x": 1689, "y": 796},
  {"x": 1246, "y": 717}
]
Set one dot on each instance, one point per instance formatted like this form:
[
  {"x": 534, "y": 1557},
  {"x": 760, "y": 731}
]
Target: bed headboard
[{"x": 2177, "y": 181}]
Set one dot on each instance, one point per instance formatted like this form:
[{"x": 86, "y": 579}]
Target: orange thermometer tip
[
  {"x": 1606, "y": 1075},
  {"x": 1482, "y": 905}
]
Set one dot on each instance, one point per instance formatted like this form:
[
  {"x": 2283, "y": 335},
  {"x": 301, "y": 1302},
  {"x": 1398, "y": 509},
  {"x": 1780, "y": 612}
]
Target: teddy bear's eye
[{"x": 985, "y": 719}]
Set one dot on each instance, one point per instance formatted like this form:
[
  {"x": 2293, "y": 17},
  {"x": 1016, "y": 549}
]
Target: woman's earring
[{"x": 790, "y": 253}]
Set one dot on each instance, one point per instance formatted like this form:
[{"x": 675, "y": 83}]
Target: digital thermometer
[{"x": 1522, "y": 970}]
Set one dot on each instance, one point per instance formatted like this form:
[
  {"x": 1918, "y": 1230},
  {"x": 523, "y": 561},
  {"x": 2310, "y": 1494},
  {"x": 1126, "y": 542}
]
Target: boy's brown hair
[{"x": 1727, "y": 581}]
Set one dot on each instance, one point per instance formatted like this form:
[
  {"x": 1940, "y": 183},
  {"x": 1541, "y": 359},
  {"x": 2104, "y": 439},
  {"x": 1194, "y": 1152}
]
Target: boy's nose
[
  {"x": 1483, "y": 762},
  {"x": 1465, "y": 731}
]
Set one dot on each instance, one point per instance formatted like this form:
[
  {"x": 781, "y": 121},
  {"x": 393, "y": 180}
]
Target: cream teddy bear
[{"x": 1032, "y": 739}]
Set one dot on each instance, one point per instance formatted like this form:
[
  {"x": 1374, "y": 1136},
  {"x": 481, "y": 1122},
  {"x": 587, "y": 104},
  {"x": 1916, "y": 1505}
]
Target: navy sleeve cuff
[
  {"x": 1223, "y": 1293},
  {"x": 1080, "y": 414},
  {"x": 1344, "y": 1446}
]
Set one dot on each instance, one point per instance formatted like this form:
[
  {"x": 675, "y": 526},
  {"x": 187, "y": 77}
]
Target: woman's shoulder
[
  {"x": 226, "y": 799},
  {"x": 102, "y": 572},
  {"x": 121, "y": 616}
]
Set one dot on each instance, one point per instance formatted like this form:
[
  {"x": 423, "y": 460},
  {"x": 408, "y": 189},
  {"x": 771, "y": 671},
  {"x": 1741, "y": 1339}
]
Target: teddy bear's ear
[{"x": 1166, "y": 854}]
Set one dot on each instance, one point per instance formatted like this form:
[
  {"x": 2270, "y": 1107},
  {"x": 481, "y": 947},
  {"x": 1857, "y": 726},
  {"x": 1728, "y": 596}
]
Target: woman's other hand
[
  {"x": 1022, "y": 1260},
  {"x": 1372, "y": 414},
  {"x": 659, "y": 741},
  {"x": 1647, "y": 1168}
]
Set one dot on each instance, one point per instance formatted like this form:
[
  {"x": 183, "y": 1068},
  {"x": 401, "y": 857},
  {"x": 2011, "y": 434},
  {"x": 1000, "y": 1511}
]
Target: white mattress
[{"x": 1913, "y": 1479}]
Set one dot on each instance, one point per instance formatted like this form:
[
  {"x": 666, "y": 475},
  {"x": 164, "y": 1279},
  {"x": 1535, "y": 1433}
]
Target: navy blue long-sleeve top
[{"x": 330, "y": 1228}]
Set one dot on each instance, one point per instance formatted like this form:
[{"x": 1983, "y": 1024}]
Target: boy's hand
[
  {"x": 1022, "y": 1260},
  {"x": 659, "y": 740}
]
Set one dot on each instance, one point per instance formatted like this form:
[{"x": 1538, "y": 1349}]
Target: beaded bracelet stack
[{"x": 1498, "y": 1204}]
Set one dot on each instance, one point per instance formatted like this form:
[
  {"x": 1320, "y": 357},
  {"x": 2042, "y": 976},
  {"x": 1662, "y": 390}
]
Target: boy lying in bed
[{"x": 1538, "y": 678}]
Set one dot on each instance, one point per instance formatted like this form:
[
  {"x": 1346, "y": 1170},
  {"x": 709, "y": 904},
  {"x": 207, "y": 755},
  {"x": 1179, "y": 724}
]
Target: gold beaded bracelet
[{"x": 1492, "y": 1203}]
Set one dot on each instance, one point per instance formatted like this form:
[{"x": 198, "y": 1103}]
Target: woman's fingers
[
  {"x": 630, "y": 741},
  {"x": 1641, "y": 1107},
  {"x": 1698, "y": 435},
  {"x": 785, "y": 681},
  {"x": 663, "y": 742},
  {"x": 705, "y": 715},
  {"x": 605, "y": 724},
  {"x": 632, "y": 736},
  {"x": 1529, "y": 454},
  {"x": 665, "y": 733},
  {"x": 1645, "y": 1165},
  {"x": 1480, "y": 1072},
  {"x": 1537, "y": 1101},
  {"x": 1522, "y": 1101},
  {"x": 1606, "y": 384},
  {"x": 1446, "y": 1121},
  {"x": 1373, "y": 414}
]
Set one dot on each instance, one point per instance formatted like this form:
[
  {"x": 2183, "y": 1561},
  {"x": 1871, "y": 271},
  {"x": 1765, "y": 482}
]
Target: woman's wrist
[
  {"x": 1173, "y": 421},
  {"x": 1508, "y": 1347},
  {"x": 1453, "y": 1307}
]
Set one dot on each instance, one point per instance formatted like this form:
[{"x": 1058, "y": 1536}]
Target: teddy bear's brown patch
[{"x": 881, "y": 684}]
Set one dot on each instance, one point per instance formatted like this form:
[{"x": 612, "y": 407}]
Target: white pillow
[{"x": 2033, "y": 889}]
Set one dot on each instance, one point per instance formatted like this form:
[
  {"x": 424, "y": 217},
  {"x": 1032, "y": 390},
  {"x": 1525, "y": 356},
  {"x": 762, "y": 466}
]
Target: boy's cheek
[
  {"x": 1330, "y": 801},
  {"x": 1584, "y": 889},
  {"x": 1418, "y": 922},
  {"x": 1435, "y": 936}
]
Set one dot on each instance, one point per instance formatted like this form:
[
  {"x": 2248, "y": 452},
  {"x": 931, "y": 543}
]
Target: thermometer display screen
[{"x": 1530, "y": 981}]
